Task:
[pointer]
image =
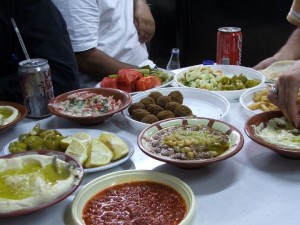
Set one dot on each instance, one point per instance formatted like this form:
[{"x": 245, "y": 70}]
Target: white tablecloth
[{"x": 254, "y": 187}]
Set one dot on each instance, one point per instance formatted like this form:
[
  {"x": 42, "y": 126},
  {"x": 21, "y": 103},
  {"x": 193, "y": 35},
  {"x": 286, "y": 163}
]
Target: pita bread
[{"x": 276, "y": 69}]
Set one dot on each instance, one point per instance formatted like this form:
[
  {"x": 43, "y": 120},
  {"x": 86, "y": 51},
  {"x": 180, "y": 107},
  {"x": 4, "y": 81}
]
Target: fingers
[{"x": 288, "y": 99}]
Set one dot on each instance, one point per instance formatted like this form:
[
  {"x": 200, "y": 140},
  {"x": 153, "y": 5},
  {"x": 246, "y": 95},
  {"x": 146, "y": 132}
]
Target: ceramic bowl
[
  {"x": 236, "y": 140},
  {"x": 201, "y": 102},
  {"x": 228, "y": 70},
  {"x": 263, "y": 118},
  {"x": 108, "y": 180},
  {"x": 62, "y": 156},
  {"x": 90, "y": 120},
  {"x": 22, "y": 114}
]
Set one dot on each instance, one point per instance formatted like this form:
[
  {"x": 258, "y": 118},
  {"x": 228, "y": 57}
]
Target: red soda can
[
  {"x": 37, "y": 88},
  {"x": 229, "y": 46}
]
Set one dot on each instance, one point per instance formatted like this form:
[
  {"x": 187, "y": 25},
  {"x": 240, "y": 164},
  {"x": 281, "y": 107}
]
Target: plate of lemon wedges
[{"x": 96, "y": 150}]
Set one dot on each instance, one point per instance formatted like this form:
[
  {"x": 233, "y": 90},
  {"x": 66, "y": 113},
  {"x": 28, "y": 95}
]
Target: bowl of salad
[
  {"x": 134, "y": 81},
  {"x": 230, "y": 81},
  {"x": 89, "y": 106}
]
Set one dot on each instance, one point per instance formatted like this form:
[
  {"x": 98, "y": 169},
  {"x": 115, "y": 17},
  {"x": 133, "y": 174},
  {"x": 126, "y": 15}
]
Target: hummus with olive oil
[
  {"x": 278, "y": 131},
  {"x": 8, "y": 114},
  {"x": 30, "y": 180}
]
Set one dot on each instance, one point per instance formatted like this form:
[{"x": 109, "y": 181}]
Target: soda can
[
  {"x": 36, "y": 85},
  {"x": 229, "y": 46}
]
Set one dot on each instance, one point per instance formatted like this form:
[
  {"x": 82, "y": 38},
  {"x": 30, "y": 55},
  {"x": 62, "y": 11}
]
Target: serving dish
[
  {"x": 230, "y": 71},
  {"x": 263, "y": 118},
  {"x": 22, "y": 114},
  {"x": 201, "y": 102},
  {"x": 93, "y": 133},
  {"x": 120, "y": 177},
  {"x": 165, "y": 84},
  {"x": 246, "y": 100},
  {"x": 66, "y": 158},
  {"x": 236, "y": 140},
  {"x": 124, "y": 97}
]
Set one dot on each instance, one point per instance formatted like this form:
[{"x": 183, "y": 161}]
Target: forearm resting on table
[{"x": 96, "y": 63}]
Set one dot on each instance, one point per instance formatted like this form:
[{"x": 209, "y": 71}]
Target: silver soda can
[{"x": 37, "y": 87}]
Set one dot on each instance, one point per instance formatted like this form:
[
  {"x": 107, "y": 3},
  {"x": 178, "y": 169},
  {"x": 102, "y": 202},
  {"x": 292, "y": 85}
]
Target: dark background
[{"x": 191, "y": 25}]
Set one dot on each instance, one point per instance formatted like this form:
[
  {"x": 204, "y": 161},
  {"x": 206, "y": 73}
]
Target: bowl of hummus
[
  {"x": 273, "y": 131},
  {"x": 35, "y": 180},
  {"x": 10, "y": 114}
]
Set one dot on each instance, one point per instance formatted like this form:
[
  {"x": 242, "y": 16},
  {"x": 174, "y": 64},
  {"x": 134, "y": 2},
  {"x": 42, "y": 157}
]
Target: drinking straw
[{"x": 20, "y": 39}]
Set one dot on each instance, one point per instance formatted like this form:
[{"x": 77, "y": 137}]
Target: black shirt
[{"x": 45, "y": 35}]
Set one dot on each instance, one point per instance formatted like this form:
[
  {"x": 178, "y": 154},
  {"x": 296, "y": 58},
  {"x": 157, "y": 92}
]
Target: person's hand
[
  {"x": 265, "y": 63},
  {"x": 286, "y": 99},
  {"x": 143, "y": 21}
]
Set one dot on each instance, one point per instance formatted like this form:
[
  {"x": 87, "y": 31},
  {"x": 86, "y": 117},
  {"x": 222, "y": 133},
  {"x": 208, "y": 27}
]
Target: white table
[{"x": 254, "y": 187}]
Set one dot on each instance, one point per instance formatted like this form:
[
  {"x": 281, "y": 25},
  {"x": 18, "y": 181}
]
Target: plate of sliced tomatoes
[{"x": 137, "y": 80}]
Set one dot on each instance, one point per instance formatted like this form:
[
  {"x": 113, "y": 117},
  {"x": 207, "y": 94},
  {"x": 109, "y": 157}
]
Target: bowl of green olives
[{"x": 230, "y": 81}]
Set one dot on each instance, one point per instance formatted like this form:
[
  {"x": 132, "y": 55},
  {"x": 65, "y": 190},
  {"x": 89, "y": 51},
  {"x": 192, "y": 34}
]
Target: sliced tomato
[
  {"x": 128, "y": 76},
  {"x": 126, "y": 87},
  {"x": 146, "y": 83},
  {"x": 108, "y": 82}
]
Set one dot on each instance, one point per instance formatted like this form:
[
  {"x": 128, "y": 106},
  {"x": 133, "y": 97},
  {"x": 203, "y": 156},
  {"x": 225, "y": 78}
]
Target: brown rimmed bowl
[
  {"x": 22, "y": 114},
  {"x": 236, "y": 140},
  {"x": 90, "y": 120},
  {"x": 62, "y": 156},
  {"x": 263, "y": 118}
]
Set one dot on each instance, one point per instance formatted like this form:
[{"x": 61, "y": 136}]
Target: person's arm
[
  {"x": 143, "y": 21},
  {"x": 98, "y": 64},
  {"x": 289, "y": 51}
]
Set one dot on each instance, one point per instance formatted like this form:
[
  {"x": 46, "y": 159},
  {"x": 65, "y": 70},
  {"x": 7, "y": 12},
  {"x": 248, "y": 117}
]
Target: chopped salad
[{"x": 88, "y": 104}]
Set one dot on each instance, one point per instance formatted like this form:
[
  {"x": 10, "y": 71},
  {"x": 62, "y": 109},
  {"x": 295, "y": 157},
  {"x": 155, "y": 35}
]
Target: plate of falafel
[{"x": 164, "y": 103}]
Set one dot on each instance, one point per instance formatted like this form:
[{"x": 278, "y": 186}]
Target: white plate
[
  {"x": 246, "y": 99},
  {"x": 161, "y": 86},
  {"x": 93, "y": 134},
  {"x": 202, "y": 103},
  {"x": 228, "y": 70}
]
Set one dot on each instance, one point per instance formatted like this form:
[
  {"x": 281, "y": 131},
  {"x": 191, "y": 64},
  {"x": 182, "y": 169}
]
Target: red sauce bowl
[{"x": 121, "y": 177}]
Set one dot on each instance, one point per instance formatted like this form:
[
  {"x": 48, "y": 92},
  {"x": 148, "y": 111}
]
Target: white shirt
[{"x": 106, "y": 25}]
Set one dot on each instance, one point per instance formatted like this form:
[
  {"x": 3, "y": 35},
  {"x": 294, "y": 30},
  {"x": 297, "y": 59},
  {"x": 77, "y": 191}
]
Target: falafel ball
[
  {"x": 139, "y": 114},
  {"x": 172, "y": 106},
  {"x": 147, "y": 100},
  {"x": 136, "y": 105},
  {"x": 165, "y": 115},
  {"x": 163, "y": 100},
  {"x": 183, "y": 110},
  {"x": 176, "y": 96},
  {"x": 154, "y": 109},
  {"x": 155, "y": 95},
  {"x": 150, "y": 119}
]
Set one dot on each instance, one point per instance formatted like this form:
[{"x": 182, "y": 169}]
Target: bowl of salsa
[{"x": 134, "y": 197}]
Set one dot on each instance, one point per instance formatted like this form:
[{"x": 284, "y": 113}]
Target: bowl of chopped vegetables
[
  {"x": 190, "y": 142},
  {"x": 89, "y": 106},
  {"x": 230, "y": 81}
]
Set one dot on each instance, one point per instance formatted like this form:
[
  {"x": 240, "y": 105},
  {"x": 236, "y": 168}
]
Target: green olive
[{"x": 17, "y": 146}]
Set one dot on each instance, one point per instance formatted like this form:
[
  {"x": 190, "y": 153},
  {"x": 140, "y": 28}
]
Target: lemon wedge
[
  {"x": 99, "y": 154},
  {"x": 78, "y": 150},
  {"x": 83, "y": 137},
  {"x": 115, "y": 144}
]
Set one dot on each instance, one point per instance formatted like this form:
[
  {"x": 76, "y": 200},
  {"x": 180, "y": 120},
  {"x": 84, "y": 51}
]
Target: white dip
[
  {"x": 30, "y": 180},
  {"x": 278, "y": 131}
]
